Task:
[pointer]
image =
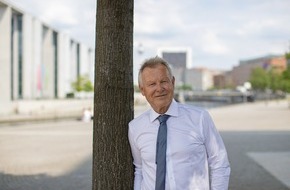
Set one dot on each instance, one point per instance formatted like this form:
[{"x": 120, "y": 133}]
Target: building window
[
  {"x": 78, "y": 60},
  {"x": 20, "y": 57},
  {"x": 13, "y": 28},
  {"x": 16, "y": 57},
  {"x": 55, "y": 47}
]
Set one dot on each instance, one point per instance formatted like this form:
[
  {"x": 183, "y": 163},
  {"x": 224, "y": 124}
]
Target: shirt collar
[{"x": 172, "y": 111}]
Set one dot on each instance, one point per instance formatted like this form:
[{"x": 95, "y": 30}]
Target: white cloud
[
  {"x": 59, "y": 12},
  {"x": 220, "y": 33},
  {"x": 212, "y": 44}
]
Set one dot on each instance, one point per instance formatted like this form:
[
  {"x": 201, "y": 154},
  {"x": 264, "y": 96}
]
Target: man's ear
[
  {"x": 173, "y": 81},
  {"x": 141, "y": 89}
]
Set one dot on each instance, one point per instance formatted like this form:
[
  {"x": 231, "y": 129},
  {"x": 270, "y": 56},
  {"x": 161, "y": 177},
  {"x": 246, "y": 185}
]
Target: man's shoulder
[
  {"x": 191, "y": 109},
  {"x": 140, "y": 119}
]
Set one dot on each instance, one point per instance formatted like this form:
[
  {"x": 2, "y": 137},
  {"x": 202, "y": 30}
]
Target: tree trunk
[{"x": 113, "y": 101}]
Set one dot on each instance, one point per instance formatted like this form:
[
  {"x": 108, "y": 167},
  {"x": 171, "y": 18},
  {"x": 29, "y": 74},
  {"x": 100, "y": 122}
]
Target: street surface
[
  {"x": 46, "y": 156},
  {"x": 58, "y": 155}
]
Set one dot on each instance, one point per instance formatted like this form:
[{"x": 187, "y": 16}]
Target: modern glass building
[{"x": 36, "y": 60}]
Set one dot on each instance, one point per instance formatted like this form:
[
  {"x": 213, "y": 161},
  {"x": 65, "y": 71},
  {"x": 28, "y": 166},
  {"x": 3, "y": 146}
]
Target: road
[
  {"x": 58, "y": 155},
  {"x": 46, "y": 156},
  {"x": 257, "y": 137},
  {"x": 259, "y": 160}
]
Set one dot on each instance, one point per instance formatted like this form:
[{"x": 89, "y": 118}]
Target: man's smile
[{"x": 162, "y": 95}]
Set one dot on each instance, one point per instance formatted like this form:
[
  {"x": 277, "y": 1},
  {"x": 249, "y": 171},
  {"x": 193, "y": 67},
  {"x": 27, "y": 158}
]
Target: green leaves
[
  {"x": 83, "y": 83},
  {"x": 262, "y": 79}
]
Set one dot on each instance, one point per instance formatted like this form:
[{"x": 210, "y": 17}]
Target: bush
[{"x": 82, "y": 83}]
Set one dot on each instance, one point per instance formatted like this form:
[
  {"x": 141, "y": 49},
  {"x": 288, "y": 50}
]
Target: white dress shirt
[{"x": 196, "y": 155}]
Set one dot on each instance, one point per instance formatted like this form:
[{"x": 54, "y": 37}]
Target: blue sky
[{"x": 218, "y": 32}]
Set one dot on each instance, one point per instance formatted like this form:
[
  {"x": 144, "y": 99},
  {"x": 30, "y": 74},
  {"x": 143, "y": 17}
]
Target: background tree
[
  {"x": 113, "y": 101},
  {"x": 286, "y": 80},
  {"x": 275, "y": 79},
  {"x": 286, "y": 75},
  {"x": 83, "y": 83},
  {"x": 259, "y": 79}
]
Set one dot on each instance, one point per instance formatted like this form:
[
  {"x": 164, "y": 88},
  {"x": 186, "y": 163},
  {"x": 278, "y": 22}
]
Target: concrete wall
[
  {"x": 5, "y": 59},
  {"x": 47, "y": 64},
  {"x": 199, "y": 79}
]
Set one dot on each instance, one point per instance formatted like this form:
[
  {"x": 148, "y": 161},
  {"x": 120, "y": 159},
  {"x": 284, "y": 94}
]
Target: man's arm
[
  {"x": 218, "y": 162},
  {"x": 136, "y": 161}
]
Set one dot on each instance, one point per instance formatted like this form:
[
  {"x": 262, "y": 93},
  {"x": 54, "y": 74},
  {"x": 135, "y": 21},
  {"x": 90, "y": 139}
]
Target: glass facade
[
  {"x": 20, "y": 57},
  {"x": 16, "y": 57},
  {"x": 55, "y": 48},
  {"x": 78, "y": 60}
]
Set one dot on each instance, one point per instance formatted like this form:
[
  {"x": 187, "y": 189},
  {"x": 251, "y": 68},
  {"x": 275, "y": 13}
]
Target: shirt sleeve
[
  {"x": 218, "y": 162},
  {"x": 136, "y": 161}
]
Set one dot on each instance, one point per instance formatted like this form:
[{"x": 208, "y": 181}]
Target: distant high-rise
[{"x": 178, "y": 59}]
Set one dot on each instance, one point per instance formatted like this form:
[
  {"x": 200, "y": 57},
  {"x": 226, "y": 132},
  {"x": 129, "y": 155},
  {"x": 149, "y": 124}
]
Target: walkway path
[
  {"x": 259, "y": 116},
  {"x": 257, "y": 136},
  {"x": 57, "y": 155}
]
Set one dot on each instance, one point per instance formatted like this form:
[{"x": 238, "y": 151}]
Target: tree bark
[{"x": 113, "y": 101}]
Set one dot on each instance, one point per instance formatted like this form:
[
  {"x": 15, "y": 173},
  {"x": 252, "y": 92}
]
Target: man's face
[{"x": 157, "y": 87}]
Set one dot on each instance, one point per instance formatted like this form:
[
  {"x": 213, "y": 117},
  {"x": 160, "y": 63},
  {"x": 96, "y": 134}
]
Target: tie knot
[{"x": 163, "y": 118}]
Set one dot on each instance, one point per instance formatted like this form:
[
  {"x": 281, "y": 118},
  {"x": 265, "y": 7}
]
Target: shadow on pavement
[
  {"x": 246, "y": 173},
  {"x": 79, "y": 179}
]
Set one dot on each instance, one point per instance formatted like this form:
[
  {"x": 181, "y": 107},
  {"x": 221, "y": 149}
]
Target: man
[{"x": 196, "y": 157}]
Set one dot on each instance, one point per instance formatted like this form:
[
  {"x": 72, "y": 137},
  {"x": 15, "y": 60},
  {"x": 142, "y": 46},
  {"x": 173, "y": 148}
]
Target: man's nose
[{"x": 159, "y": 87}]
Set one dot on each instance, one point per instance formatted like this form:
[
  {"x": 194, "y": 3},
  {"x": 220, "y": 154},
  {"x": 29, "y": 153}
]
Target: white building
[
  {"x": 179, "y": 59},
  {"x": 37, "y": 61},
  {"x": 199, "y": 78}
]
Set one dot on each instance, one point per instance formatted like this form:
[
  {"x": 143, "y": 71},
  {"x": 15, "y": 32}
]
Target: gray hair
[{"x": 151, "y": 63}]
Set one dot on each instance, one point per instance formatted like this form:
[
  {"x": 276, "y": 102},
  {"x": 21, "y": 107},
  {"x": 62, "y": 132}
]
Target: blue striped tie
[{"x": 161, "y": 153}]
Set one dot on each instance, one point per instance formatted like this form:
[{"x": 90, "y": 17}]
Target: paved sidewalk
[
  {"x": 258, "y": 116},
  {"x": 57, "y": 155},
  {"x": 46, "y": 156},
  {"x": 257, "y": 135}
]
